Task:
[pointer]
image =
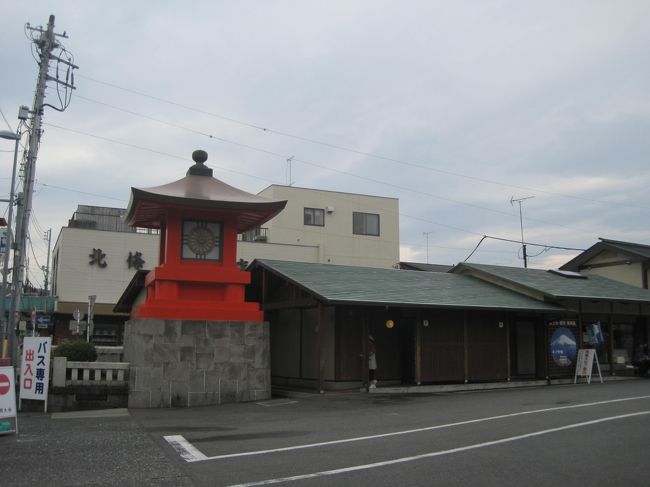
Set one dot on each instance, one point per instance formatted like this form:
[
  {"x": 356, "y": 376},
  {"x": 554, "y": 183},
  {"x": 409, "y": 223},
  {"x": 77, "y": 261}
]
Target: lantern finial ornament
[{"x": 199, "y": 168}]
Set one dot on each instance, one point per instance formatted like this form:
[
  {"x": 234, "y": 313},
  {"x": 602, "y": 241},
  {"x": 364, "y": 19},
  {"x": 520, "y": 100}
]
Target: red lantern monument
[{"x": 199, "y": 218}]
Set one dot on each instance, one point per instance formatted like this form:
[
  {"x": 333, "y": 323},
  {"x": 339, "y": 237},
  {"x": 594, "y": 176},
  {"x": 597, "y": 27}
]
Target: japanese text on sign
[
  {"x": 35, "y": 368},
  {"x": 133, "y": 261}
]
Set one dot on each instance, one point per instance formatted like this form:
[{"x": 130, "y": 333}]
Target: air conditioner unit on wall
[{"x": 329, "y": 209}]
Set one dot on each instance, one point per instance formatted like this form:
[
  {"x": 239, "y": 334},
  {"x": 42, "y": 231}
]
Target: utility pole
[
  {"x": 521, "y": 225},
  {"x": 46, "y": 269},
  {"x": 6, "y": 332},
  {"x": 45, "y": 42}
]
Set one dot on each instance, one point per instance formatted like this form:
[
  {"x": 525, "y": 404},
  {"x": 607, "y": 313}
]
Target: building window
[
  {"x": 365, "y": 223},
  {"x": 315, "y": 216}
]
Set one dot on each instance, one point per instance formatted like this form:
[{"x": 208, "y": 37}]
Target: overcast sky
[{"x": 453, "y": 107}]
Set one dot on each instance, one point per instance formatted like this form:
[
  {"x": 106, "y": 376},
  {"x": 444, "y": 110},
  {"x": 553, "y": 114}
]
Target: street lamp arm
[{"x": 5, "y": 134}]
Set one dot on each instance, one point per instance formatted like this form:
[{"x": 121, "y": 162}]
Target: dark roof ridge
[{"x": 633, "y": 244}]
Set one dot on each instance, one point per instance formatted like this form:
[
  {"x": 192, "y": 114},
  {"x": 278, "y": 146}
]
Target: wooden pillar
[
  {"x": 611, "y": 339},
  {"x": 418, "y": 348},
  {"x": 265, "y": 285},
  {"x": 365, "y": 330},
  {"x": 466, "y": 346},
  {"x": 301, "y": 322},
  {"x": 547, "y": 351},
  {"x": 321, "y": 351},
  {"x": 581, "y": 330},
  {"x": 508, "y": 368}
]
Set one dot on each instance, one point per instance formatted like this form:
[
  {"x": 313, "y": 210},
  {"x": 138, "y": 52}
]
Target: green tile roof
[
  {"x": 367, "y": 285},
  {"x": 590, "y": 286}
]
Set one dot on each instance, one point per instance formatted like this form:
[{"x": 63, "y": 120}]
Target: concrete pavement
[
  {"x": 308, "y": 435},
  {"x": 107, "y": 448}
]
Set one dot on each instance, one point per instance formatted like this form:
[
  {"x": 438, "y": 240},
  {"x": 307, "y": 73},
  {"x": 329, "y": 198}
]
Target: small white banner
[
  {"x": 35, "y": 368},
  {"x": 7, "y": 400},
  {"x": 585, "y": 364}
]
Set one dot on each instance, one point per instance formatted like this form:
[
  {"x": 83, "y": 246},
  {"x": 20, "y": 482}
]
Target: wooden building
[{"x": 475, "y": 324}]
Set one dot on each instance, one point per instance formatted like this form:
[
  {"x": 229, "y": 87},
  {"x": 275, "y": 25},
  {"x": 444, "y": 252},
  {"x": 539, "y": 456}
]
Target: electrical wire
[
  {"x": 326, "y": 168},
  {"x": 475, "y": 248},
  {"x": 534, "y": 244},
  {"x": 351, "y": 150},
  {"x": 546, "y": 247},
  {"x": 45, "y": 185},
  {"x": 154, "y": 151},
  {"x": 7, "y": 122}
]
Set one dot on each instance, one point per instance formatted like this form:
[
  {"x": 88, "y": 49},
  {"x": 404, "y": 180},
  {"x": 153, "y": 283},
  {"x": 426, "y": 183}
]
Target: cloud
[{"x": 498, "y": 100}]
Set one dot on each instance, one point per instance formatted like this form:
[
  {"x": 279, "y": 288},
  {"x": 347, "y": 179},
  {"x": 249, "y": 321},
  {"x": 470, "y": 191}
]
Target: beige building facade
[
  {"x": 343, "y": 228},
  {"x": 98, "y": 254},
  {"x": 625, "y": 262}
]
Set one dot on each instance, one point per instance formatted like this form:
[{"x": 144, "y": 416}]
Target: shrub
[{"x": 77, "y": 351}]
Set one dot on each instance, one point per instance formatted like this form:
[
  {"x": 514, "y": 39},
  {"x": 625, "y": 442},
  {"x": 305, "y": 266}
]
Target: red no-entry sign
[{"x": 5, "y": 384}]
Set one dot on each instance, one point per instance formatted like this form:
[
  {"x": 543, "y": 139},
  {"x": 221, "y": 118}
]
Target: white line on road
[
  {"x": 275, "y": 402},
  {"x": 186, "y": 450},
  {"x": 404, "y": 432},
  {"x": 338, "y": 471},
  {"x": 94, "y": 413}
]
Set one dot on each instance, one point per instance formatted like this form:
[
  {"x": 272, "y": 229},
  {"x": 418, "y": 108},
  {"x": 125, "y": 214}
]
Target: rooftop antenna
[
  {"x": 514, "y": 200},
  {"x": 426, "y": 234},
  {"x": 289, "y": 181}
]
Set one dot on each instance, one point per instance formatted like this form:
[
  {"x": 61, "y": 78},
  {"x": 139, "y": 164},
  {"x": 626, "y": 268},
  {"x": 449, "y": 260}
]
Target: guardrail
[{"x": 66, "y": 373}]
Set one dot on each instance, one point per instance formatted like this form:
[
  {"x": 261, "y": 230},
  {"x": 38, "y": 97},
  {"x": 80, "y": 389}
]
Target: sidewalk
[{"x": 107, "y": 448}]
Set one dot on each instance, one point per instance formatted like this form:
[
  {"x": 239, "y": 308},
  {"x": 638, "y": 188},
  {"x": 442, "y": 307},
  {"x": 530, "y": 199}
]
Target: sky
[{"x": 454, "y": 107}]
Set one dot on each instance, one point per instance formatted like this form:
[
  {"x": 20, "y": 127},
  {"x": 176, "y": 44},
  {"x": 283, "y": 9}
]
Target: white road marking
[
  {"x": 338, "y": 471},
  {"x": 186, "y": 450},
  {"x": 95, "y": 413},
  {"x": 408, "y": 432},
  {"x": 275, "y": 402}
]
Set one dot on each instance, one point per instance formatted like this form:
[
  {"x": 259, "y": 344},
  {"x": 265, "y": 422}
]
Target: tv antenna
[
  {"x": 289, "y": 181},
  {"x": 514, "y": 200}
]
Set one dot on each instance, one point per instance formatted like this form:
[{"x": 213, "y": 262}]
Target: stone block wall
[{"x": 178, "y": 363}]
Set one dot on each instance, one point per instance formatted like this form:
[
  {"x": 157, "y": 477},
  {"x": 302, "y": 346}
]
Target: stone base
[{"x": 178, "y": 363}]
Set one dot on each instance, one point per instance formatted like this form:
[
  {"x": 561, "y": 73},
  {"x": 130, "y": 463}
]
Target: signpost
[
  {"x": 91, "y": 312},
  {"x": 585, "y": 364},
  {"x": 42, "y": 321},
  {"x": 35, "y": 369},
  {"x": 75, "y": 326},
  {"x": 7, "y": 401}
]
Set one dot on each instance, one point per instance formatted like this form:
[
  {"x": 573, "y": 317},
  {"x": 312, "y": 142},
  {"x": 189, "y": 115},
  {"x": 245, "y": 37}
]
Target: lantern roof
[{"x": 199, "y": 190}]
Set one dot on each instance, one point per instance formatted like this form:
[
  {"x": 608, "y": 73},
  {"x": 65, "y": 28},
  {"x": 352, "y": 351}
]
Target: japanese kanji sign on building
[{"x": 35, "y": 368}]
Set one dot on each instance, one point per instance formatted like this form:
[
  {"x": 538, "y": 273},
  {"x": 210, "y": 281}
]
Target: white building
[
  {"x": 98, "y": 254},
  {"x": 328, "y": 227}
]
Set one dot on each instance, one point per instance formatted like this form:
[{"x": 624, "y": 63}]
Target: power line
[
  {"x": 147, "y": 149},
  {"x": 31, "y": 246},
  {"x": 546, "y": 246},
  {"x": 320, "y": 166},
  {"x": 6, "y": 121},
  {"x": 535, "y": 244},
  {"x": 348, "y": 149},
  {"x": 44, "y": 185}
]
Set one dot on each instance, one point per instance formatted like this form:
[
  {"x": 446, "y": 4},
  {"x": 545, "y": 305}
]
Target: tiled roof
[
  {"x": 640, "y": 250},
  {"x": 368, "y": 285},
  {"x": 419, "y": 266},
  {"x": 552, "y": 284}
]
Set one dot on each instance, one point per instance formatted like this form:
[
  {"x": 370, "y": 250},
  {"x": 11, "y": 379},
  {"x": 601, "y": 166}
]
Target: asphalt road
[{"x": 592, "y": 435}]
